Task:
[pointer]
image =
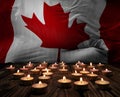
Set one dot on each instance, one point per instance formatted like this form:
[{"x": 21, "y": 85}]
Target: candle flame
[
  {"x": 11, "y": 66},
  {"x": 75, "y": 71},
  {"x": 35, "y": 68},
  {"x": 99, "y": 63},
  {"x": 83, "y": 69},
  {"x": 63, "y": 67},
  {"x": 28, "y": 76},
  {"x": 91, "y": 72},
  {"x": 78, "y": 62},
  {"x": 81, "y": 79},
  {"x": 102, "y": 79},
  {"x": 24, "y": 67},
  {"x": 29, "y": 63},
  {"x": 40, "y": 65},
  {"x": 90, "y": 63},
  {"x": 18, "y": 71},
  {"x": 64, "y": 78},
  {"x": 77, "y": 66},
  {"x": 93, "y": 68},
  {"x": 106, "y": 69},
  {"x": 40, "y": 82},
  {"x": 44, "y": 75}
]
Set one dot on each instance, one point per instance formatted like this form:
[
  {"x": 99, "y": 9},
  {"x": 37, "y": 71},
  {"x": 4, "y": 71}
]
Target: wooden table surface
[{"x": 10, "y": 87}]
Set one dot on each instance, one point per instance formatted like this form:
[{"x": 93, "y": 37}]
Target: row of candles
[{"x": 80, "y": 71}]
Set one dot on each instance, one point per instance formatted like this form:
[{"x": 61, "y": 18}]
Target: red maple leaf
[{"x": 55, "y": 33}]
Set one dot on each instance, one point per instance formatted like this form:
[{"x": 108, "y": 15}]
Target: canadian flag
[{"x": 38, "y": 30}]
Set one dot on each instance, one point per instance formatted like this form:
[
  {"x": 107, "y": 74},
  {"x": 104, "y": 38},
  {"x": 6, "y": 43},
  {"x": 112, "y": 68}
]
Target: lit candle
[
  {"x": 11, "y": 67},
  {"x": 63, "y": 70},
  {"x": 29, "y": 65},
  {"x": 44, "y": 63},
  {"x": 18, "y": 74},
  {"x": 44, "y": 78},
  {"x": 92, "y": 76},
  {"x": 53, "y": 67},
  {"x": 81, "y": 84},
  {"x": 63, "y": 65},
  {"x": 107, "y": 72},
  {"x": 84, "y": 71},
  {"x": 76, "y": 75},
  {"x": 27, "y": 80},
  {"x": 40, "y": 67},
  {"x": 91, "y": 65},
  {"x": 102, "y": 83},
  {"x": 24, "y": 69},
  {"x": 48, "y": 73},
  {"x": 39, "y": 88},
  {"x": 94, "y": 70},
  {"x": 46, "y": 69},
  {"x": 64, "y": 82},
  {"x": 35, "y": 71},
  {"x": 55, "y": 64},
  {"x": 82, "y": 64},
  {"x": 100, "y": 65},
  {"x": 77, "y": 67}
]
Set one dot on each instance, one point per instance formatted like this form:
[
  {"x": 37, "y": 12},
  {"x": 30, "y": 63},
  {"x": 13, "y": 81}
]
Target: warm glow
[
  {"x": 44, "y": 62},
  {"x": 63, "y": 68},
  {"x": 77, "y": 66},
  {"x": 64, "y": 78},
  {"x": 29, "y": 63},
  {"x": 11, "y": 66},
  {"x": 47, "y": 71},
  {"x": 18, "y": 71},
  {"x": 28, "y": 76},
  {"x": 90, "y": 63},
  {"x": 75, "y": 71},
  {"x": 81, "y": 79},
  {"x": 93, "y": 68},
  {"x": 91, "y": 72},
  {"x": 40, "y": 82},
  {"x": 102, "y": 79},
  {"x": 24, "y": 67},
  {"x": 106, "y": 69},
  {"x": 34, "y": 68},
  {"x": 83, "y": 69},
  {"x": 52, "y": 65},
  {"x": 99, "y": 63},
  {"x": 40, "y": 65},
  {"x": 78, "y": 62},
  {"x": 44, "y": 75}
]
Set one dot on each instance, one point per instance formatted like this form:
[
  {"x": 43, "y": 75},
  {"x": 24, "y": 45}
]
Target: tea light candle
[
  {"x": 29, "y": 65},
  {"x": 44, "y": 63},
  {"x": 55, "y": 64},
  {"x": 77, "y": 67},
  {"x": 63, "y": 65},
  {"x": 64, "y": 82},
  {"x": 91, "y": 65},
  {"x": 24, "y": 69},
  {"x": 76, "y": 75},
  {"x": 48, "y": 73},
  {"x": 92, "y": 76},
  {"x": 40, "y": 67},
  {"x": 11, "y": 67},
  {"x": 44, "y": 78},
  {"x": 63, "y": 69},
  {"x": 107, "y": 72},
  {"x": 27, "y": 80},
  {"x": 46, "y": 69},
  {"x": 84, "y": 71},
  {"x": 39, "y": 88},
  {"x": 35, "y": 71},
  {"x": 81, "y": 84},
  {"x": 94, "y": 70},
  {"x": 100, "y": 65},
  {"x": 53, "y": 67},
  {"x": 82, "y": 64},
  {"x": 78, "y": 63},
  {"x": 102, "y": 83},
  {"x": 18, "y": 74}
]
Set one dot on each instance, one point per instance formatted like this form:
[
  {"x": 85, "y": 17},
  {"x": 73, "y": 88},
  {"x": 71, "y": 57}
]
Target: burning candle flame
[
  {"x": 102, "y": 79},
  {"x": 90, "y": 63},
  {"x": 75, "y": 71},
  {"x": 28, "y": 76},
  {"x": 64, "y": 78},
  {"x": 40, "y": 83},
  {"x": 44, "y": 75},
  {"x": 106, "y": 69},
  {"x": 81, "y": 79},
  {"x": 83, "y": 69},
  {"x": 11, "y": 66},
  {"x": 18, "y": 71},
  {"x": 24, "y": 67},
  {"x": 91, "y": 72}
]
